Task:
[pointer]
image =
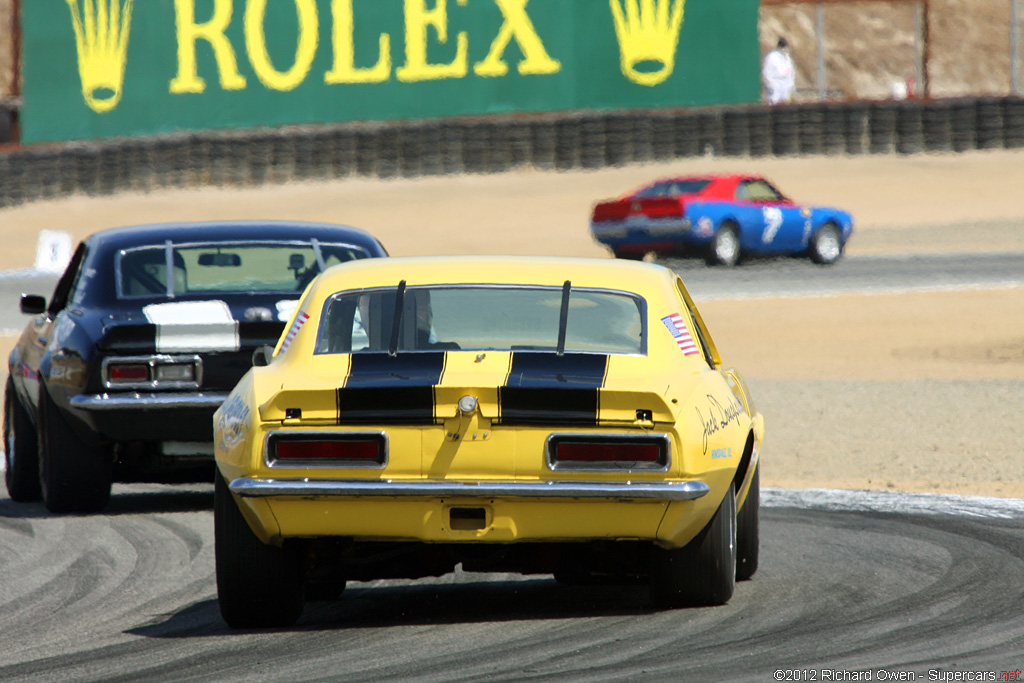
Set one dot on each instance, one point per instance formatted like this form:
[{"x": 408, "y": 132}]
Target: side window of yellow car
[{"x": 707, "y": 345}]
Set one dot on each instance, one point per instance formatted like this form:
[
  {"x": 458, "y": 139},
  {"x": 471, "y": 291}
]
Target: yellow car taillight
[
  {"x": 614, "y": 452},
  {"x": 334, "y": 450}
]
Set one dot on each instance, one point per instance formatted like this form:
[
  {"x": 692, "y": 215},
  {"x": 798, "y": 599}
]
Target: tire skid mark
[
  {"x": 965, "y": 602},
  {"x": 100, "y": 572},
  {"x": 848, "y": 579},
  {"x": 189, "y": 536},
  {"x": 18, "y": 526}
]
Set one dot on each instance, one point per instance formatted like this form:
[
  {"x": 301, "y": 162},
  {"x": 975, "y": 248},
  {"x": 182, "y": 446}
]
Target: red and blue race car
[{"x": 720, "y": 217}]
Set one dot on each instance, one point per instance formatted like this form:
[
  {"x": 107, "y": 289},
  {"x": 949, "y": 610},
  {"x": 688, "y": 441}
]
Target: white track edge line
[{"x": 899, "y": 502}]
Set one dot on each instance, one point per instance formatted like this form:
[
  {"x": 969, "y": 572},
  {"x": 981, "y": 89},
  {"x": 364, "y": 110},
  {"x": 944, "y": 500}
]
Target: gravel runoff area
[{"x": 917, "y": 391}]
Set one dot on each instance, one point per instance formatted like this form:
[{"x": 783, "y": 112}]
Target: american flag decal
[
  {"x": 681, "y": 333},
  {"x": 300, "y": 320}
]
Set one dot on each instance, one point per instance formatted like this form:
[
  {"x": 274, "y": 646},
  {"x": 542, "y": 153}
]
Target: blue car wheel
[
  {"x": 826, "y": 245},
  {"x": 724, "y": 249}
]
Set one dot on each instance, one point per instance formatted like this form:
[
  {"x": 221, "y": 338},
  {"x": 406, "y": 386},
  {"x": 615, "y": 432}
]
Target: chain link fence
[{"x": 493, "y": 145}]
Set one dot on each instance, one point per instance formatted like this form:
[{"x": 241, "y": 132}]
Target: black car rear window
[{"x": 226, "y": 267}]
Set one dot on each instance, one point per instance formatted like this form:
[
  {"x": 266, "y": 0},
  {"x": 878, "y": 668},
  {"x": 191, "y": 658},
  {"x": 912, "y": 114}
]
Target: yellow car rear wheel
[
  {"x": 704, "y": 571},
  {"x": 258, "y": 585},
  {"x": 748, "y": 530}
]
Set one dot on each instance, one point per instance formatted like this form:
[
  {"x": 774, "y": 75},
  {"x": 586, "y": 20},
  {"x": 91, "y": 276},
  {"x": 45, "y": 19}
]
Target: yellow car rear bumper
[
  {"x": 668, "y": 513},
  {"x": 667, "y": 491}
]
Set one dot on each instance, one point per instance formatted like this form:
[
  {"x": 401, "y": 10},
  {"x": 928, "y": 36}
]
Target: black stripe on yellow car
[
  {"x": 540, "y": 388},
  {"x": 393, "y": 404},
  {"x": 547, "y": 388},
  {"x": 549, "y": 406},
  {"x": 383, "y": 388},
  {"x": 405, "y": 369},
  {"x": 545, "y": 369}
]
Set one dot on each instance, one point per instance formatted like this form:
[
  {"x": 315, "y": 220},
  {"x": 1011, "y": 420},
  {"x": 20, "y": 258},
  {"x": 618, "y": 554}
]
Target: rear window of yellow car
[{"x": 484, "y": 318}]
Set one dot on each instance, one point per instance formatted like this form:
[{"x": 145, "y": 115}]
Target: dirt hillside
[{"x": 869, "y": 45}]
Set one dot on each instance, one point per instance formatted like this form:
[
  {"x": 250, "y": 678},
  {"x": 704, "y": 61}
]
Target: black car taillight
[
  {"x": 174, "y": 372},
  {"x": 327, "y": 449},
  {"x": 614, "y": 452},
  {"x": 153, "y": 372},
  {"x": 128, "y": 372}
]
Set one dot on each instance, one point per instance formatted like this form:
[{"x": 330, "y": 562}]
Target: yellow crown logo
[
  {"x": 648, "y": 33},
  {"x": 101, "y": 36}
]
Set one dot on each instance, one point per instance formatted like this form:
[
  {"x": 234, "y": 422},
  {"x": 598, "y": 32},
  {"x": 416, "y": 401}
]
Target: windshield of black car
[
  {"x": 210, "y": 268},
  {"x": 484, "y": 318},
  {"x": 673, "y": 187}
]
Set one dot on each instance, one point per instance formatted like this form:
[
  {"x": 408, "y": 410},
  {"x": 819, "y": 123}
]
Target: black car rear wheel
[
  {"x": 704, "y": 571},
  {"x": 74, "y": 475},
  {"x": 258, "y": 585},
  {"x": 20, "y": 450},
  {"x": 748, "y": 542}
]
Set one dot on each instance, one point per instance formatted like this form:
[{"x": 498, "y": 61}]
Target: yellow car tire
[
  {"x": 704, "y": 571},
  {"x": 748, "y": 530},
  {"x": 258, "y": 585}
]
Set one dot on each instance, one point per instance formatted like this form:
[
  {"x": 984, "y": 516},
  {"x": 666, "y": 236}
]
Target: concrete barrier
[{"x": 495, "y": 144}]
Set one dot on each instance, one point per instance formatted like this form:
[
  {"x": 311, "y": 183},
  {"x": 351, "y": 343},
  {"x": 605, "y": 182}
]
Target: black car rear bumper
[
  {"x": 129, "y": 402},
  {"x": 142, "y": 416}
]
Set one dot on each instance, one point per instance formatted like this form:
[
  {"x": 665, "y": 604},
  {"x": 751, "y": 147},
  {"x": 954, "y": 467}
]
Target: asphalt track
[
  {"x": 856, "y": 274},
  {"x": 776, "y": 277},
  {"x": 886, "y": 583},
  {"x": 851, "y": 583}
]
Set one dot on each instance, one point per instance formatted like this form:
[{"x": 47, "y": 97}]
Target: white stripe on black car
[{"x": 193, "y": 326}]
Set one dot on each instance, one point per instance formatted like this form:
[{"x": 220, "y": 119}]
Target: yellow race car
[{"x": 509, "y": 414}]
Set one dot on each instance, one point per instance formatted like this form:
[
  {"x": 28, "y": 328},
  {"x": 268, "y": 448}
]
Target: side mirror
[
  {"x": 262, "y": 355},
  {"x": 33, "y": 304}
]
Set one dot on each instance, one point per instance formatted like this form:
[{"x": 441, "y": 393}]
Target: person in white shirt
[{"x": 778, "y": 74}]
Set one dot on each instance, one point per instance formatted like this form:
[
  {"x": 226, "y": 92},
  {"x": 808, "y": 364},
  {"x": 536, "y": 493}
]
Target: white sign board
[{"x": 53, "y": 251}]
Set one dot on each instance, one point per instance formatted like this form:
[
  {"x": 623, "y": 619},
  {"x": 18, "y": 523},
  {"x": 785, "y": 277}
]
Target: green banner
[{"x": 100, "y": 68}]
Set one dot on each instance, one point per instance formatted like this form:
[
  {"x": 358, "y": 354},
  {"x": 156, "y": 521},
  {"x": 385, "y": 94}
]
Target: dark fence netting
[{"x": 493, "y": 145}]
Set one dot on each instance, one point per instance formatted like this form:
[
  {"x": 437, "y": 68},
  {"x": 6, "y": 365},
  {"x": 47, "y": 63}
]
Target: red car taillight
[
  {"x": 662, "y": 208},
  {"x": 614, "y": 452},
  {"x": 611, "y": 211},
  {"x": 357, "y": 450},
  {"x": 134, "y": 372}
]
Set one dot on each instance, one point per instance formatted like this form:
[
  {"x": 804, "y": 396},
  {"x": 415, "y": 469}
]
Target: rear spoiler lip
[{"x": 408, "y": 405}]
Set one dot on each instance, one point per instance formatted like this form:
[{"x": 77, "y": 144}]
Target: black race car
[{"x": 148, "y": 329}]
